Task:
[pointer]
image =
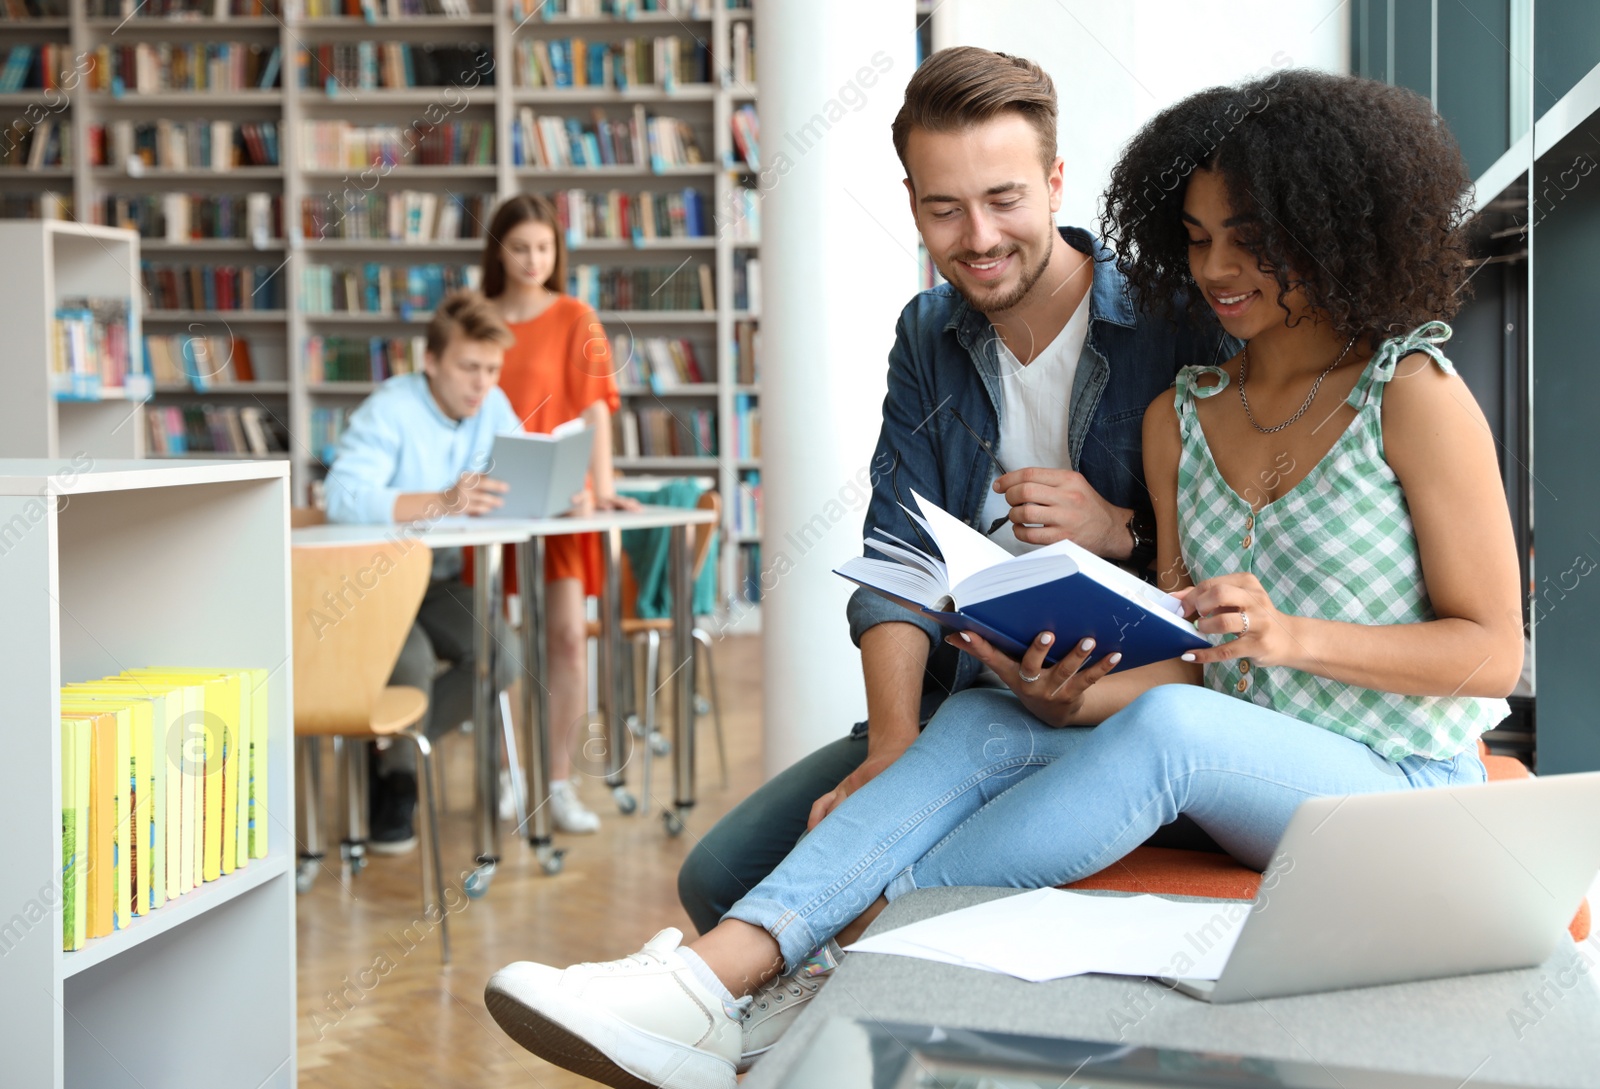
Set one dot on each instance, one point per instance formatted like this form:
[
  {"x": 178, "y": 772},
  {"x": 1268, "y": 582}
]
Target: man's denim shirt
[{"x": 944, "y": 369}]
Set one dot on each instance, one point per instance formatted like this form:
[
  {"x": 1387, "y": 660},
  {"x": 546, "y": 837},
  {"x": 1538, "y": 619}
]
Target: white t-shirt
[{"x": 1034, "y": 402}]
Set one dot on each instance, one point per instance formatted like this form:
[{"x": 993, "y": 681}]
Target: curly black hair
[{"x": 1358, "y": 191}]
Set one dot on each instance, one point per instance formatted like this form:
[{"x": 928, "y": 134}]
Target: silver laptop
[
  {"x": 544, "y": 472},
  {"x": 1416, "y": 884}
]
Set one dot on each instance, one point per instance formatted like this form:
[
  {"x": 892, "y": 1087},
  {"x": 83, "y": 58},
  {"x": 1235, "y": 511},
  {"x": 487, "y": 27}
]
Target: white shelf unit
[
  {"x": 47, "y": 261},
  {"x": 277, "y": 338},
  {"x": 117, "y": 565}
]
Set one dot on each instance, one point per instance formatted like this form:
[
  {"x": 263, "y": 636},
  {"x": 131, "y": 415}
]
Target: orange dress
[{"x": 559, "y": 366}]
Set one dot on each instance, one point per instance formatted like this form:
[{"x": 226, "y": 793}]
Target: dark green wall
[
  {"x": 1475, "y": 77},
  {"x": 1473, "y": 55},
  {"x": 1566, "y": 45},
  {"x": 1566, "y": 453}
]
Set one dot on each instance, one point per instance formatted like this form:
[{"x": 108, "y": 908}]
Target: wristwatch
[{"x": 1142, "y": 528}]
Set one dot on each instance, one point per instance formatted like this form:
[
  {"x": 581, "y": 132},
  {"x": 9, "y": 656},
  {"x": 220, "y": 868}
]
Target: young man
[
  {"x": 416, "y": 451},
  {"x": 1016, "y": 390}
]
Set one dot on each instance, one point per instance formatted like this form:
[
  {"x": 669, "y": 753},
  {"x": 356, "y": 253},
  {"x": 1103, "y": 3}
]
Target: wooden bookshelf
[
  {"x": 280, "y": 336},
  {"x": 110, "y": 566}
]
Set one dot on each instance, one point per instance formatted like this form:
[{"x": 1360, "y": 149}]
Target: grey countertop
[{"x": 1535, "y": 1027}]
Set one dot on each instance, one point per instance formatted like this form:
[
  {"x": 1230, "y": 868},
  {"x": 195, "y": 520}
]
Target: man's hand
[
  {"x": 1050, "y": 504},
  {"x": 475, "y": 494},
  {"x": 869, "y": 769}
]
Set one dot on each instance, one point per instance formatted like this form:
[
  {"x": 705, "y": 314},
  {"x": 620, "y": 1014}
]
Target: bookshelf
[
  {"x": 48, "y": 263},
  {"x": 108, "y": 566},
  {"x": 485, "y": 63},
  {"x": 711, "y": 44}
]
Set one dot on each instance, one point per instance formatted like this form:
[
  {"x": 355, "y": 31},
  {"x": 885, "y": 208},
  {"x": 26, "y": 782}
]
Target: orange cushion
[{"x": 1167, "y": 871}]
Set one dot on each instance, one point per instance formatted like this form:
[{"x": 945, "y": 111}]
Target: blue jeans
[
  {"x": 757, "y": 834},
  {"x": 990, "y": 796}
]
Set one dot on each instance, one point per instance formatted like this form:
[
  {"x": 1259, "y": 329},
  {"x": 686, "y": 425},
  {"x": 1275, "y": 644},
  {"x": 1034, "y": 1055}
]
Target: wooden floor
[{"x": 376, "y": 1008}]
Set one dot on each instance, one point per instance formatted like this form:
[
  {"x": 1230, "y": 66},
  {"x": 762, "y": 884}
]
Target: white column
[{"x": 838, "y": 264}]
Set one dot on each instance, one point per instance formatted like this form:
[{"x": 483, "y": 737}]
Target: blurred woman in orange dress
[{"x": 560, "y": 369}]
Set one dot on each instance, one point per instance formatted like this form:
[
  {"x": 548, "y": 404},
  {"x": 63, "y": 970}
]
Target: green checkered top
[{"x": 1338, "y": 545}]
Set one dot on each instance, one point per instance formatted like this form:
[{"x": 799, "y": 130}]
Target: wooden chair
[
  {"x": 300, "y": 517},
  {"x": 353, "y": 608},
  {"x": 648, "y": 631}
]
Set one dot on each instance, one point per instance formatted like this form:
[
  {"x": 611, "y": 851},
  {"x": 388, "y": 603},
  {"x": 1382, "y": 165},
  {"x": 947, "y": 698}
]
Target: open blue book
[{"x": 975, "y": 585}]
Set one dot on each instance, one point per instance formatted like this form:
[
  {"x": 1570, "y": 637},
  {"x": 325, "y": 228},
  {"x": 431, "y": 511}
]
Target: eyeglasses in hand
[
  {"x": 983, "y": 444},
  {"x": 1000, "y": 470}
]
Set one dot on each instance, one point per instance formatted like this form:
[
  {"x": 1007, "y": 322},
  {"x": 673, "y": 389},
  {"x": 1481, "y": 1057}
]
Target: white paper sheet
[{"x": 1051, "y": 933}]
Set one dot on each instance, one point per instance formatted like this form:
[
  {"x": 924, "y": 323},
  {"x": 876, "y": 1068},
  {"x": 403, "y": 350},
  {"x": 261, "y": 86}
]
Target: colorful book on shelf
[
  {"x": 98, "y": 869},
  {"x": 253, "y": 786},
  {"x": 747, "y": 135},
  {"x": 972, "y": 584},
  {"x": 199, "y": 764},
  {"x": 91, "y": 351},
  {"x": 155, "y": 821},
  {"x": 76, "y": 745},
  {"x": 238, "y": 699},
  {"x": 185, "y": 708},
  {"x": 269, "y": 72},
  {"x": 219, "y": 728},
  {"x": 139, "y": 839},
  {"x": 120, "y": 802}
]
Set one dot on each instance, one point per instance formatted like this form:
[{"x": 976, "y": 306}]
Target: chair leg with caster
[
  {"x": 308, "y": 811},
  {"x": 353, "y": 793}
]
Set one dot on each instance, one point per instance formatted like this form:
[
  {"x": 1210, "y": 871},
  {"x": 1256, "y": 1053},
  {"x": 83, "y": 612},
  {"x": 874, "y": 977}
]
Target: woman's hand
[
  {"x": 582, "y": 505},
  {"x": 615, "y": 502},
  {"x": 1054, "y": 694},
  {"x": 1237, "y": 604}
]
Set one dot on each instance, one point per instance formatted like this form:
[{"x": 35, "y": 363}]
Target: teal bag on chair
[{"x": 648, "y": 552}]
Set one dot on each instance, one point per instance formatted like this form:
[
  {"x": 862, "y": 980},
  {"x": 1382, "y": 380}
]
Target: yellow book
[
  {"x": 174, "y": 816},
  {"x": 98, "y": 871},
  {"x": 125, "y": 847},
  {"x": 201, "y": 746},
  {"x": 183, "y": 745},
  {"x": 76, "y": 745},
  {"x": 186, "y": 751},
  {"x": 150, "y": 817},
  {"x": 221, "y": 730}
]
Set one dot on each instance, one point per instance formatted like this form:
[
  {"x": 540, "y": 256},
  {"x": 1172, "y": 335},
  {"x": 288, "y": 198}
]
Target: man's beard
[{"x": 999, "y": 303}]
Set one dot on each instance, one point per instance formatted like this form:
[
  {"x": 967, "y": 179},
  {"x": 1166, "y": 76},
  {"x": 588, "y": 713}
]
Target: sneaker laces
[
  {"x": 806, "y": 979},
  {"x": 781, "y": 989}
]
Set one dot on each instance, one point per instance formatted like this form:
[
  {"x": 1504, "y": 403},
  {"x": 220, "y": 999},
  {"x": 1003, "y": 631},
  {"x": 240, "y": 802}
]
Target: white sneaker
[
  {"x": 570, "y": 814},
  {"x": 775, "y": 1006},
  {"x": 644, "y": 1020}
]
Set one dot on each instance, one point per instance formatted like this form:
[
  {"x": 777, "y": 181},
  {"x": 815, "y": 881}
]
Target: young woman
[
  {"x": 1328, "y": 507},
  {"x": 559, "y": 369}
]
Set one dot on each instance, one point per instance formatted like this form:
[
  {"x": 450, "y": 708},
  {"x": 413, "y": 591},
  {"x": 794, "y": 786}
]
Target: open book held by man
[{"x": 975, "y": 585}]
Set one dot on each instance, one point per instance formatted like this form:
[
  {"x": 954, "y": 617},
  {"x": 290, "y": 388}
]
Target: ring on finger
[
  {"x": 1025, "y": 679},
  {"x": 1244, "y": 620}
]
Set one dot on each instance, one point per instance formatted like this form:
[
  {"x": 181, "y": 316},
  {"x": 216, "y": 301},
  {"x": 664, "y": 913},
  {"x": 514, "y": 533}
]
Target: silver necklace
[{"x": 1244, "y": 370}]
